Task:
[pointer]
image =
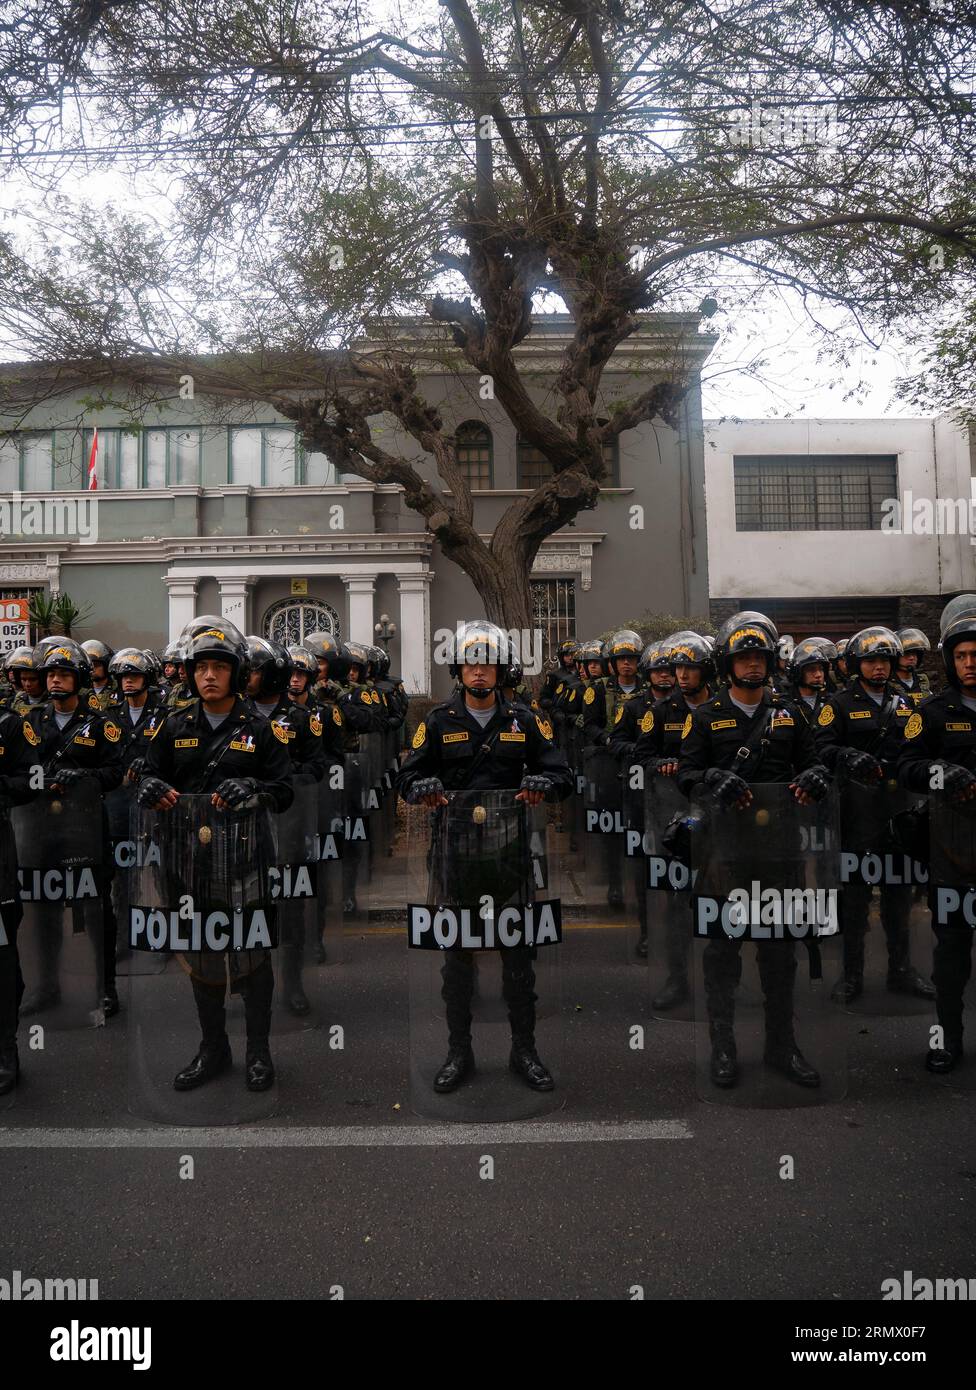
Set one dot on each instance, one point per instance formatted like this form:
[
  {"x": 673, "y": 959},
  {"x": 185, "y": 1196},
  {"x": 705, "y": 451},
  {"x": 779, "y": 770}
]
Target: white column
[
  {"x": 359, "y": 595},
  {"x": 414, "y": 632},
  {"x": 235, "y": 602},
  {"x": 182, "y": 603}
]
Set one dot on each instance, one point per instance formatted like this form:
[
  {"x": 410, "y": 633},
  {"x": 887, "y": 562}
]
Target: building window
[
  {"x": 291, "y": 620},
  {"x": 27, "y": 461},
  {"x": 263, "y": 456},
  {"x": 534, "y": 468},
  {"x": 554, "y": 612},
  {"x": 316, "y": 470},
  {"x": 117, "y": 462},
  {"x": 813, "y": 492},
  {"x": 474, "y": 454},
  {"x": 171, "y": 456}
]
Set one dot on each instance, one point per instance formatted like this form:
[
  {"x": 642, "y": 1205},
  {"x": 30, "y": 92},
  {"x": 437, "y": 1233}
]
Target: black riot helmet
[
  {"x": 623, "y": 643},
  {"x": 273, "y": 663},
  {"x": 480, "y": 643},
  {"x": 688, "y": 649},
  {"x": 22, "y": 659},
  {"x": 303, "y": 660},
  {"x": 62, "y": 654},
  {"x": 324, "y": 647},
  {"x": 97, "y": 651},
  {"x": 568, "y": 648},
  {"x": 355, "y": 654},
  {"x": 811, "y": 651},
  {"x": 956, "y": 626},
  {"x": 220, "y": 643},
  {"x": 130, "y": 661},
  {"x": 872, "y": 642},
  {"x": 746, "y": 632},
  {"x": 591, "y": 650}
]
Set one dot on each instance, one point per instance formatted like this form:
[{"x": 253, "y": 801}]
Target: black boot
[
  {"x": 674, "y": 992},
  {"x": 723, "y": 1066},
  {"x": 214, "y": 1055},
  {"x": 296, "y": 1000},
  {"x": 458, "y": 1066},
  {"x": 9, "y": 1067},
  {"x": 257, "y": 991},
  {"x": 641, "y": 948},
  {"x": 790, "y": 1061},
  {"x": 848, "y": 988},
  {"x": 907, "y": 980},
  {"x": 525, "y": 1062}
]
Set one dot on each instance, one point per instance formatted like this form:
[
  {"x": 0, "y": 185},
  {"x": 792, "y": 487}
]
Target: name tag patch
[
  {"x": 455, "y": 738},
  {"x": 725, "y": 724},
  {"x": 87, "y": 742},
  {"x": 243, "y": 747},
  {"x": 187, "y": 743},
  {"x": 860, "y": 714},
  {"x": 512, "y": 738},
  {"x": 959, "y": 728}
]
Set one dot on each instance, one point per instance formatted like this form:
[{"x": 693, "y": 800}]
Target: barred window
[
  {"x": 554, "y": 612},
  {"x": 812, "y": 492},
  {"x": 534, "y": 468},
  {"x": 473, "y": 451}
]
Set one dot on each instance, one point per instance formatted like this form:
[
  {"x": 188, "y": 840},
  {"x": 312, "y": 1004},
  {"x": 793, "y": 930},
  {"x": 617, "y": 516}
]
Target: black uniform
[
  {"x": 92, "y": 743},
  {"x": 850, "y": 718},
  {"x": 186, "y": 753},
  {"x": 447, "y": 746},
  {"x": 943, "y": 730},
  {"x": 15, "y": 764},
  {"x": 718, "y": 729},
  {"x": 918, "y": 690},
  {"x": 810, "y": 713}
]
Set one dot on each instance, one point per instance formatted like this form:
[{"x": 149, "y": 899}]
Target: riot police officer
[
  {"x": 28, "y": 689},
  {"x": 908, "y": 675},
  {"x": 478, "y": 739},
  {"x": 102, "y": 694},
  {"x": 655, "y": 667},
  {"x": 304, "y": 674},
  {"x": 560, "y": 670},
  {"x": 656, "y": 749},
  {"x": 941, "y": 735},
  {"x": 720, "y": 754},
  {"x": 72, "y": 741},
  {"x": 809, "y": 671},
  {"x": 859, "y": 734},
  {"x": 220, "y": 744},
  {"x": 15, "y": 790}
]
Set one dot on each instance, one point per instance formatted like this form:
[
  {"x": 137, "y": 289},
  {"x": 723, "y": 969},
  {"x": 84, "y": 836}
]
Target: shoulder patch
[
  {"x": 545, "y": 728},
  {"x": 647, "y": 722},
  {"x": 619, "y": 715},
  {"x": 364, "y": 696},
  {"x": 112, "y": 731},
  {"x": 559, "y": 688},
  {"x": 826, "y": 716},
  {"x": 280, "y": 734},
  {"x": 315, "y": 724},
  {"x": 336, "y": 716},
  {"x": 420, "y": 737},
  {"x": 93, "y": 702},
  {"x": 914, "y": 726},
  {"x": 32, "y": 738},
  {"x": 687, "y": 728},
  {"x": 590, "y": 695}
]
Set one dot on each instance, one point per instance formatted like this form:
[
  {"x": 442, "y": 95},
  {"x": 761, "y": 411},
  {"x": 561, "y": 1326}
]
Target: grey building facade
[{"x": 200, "y": 511}]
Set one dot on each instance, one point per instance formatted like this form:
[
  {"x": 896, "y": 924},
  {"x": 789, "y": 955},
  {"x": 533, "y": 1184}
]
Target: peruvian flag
[{"x": 93, "y": 462}]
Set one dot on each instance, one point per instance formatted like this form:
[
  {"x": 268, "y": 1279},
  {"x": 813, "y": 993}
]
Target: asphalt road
[{"x": 636, "y": 1185}]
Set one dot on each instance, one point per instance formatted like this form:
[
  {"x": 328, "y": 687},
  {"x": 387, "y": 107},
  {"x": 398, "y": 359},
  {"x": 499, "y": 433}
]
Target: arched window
[
  {"x": 474, "y": 453},
  {"x": 292, "y": 619},
  {"x": 534, "y": 468}
]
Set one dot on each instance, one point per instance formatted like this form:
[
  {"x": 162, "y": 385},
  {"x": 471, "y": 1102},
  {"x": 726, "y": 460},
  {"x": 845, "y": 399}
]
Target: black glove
[
  {"x": 151, "y": 790},
  {"x": 536, "y": 782},
  {"x": 135, "y": 769},
  {"x": 601, "y": 739},
  {"x": 66, "y": 777},
  {"x": 814, "y": 781},
  {"x": 426, "y": 786},
  {"x": 236, "y": 790},
  {"x": 669, "y": 760},
  {"x": 727, "y": 786},
  {"x": 860, "y": 765},
  {"x": 956, "y": 779}
]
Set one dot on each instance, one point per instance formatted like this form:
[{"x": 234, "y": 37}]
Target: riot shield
[
  {"x": 328, "y": 943},
  {"x": 201, "y": 889},
  {"x": 357, "y": 861},
  {"x": 765, "y": 915},
  {"x": 299, "y": 995},
  {"x": 884, "y": 918},
  {"x": 952, "y": 898},
  {"x": 667, "y": 898},
  {"x": 483, "y": 925},
  {"x": 611, "y": 885},
  {"x": 118, "y": 808},
  {"x": 11, "y": 914},
  {"x": 60, "y": 847}
]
